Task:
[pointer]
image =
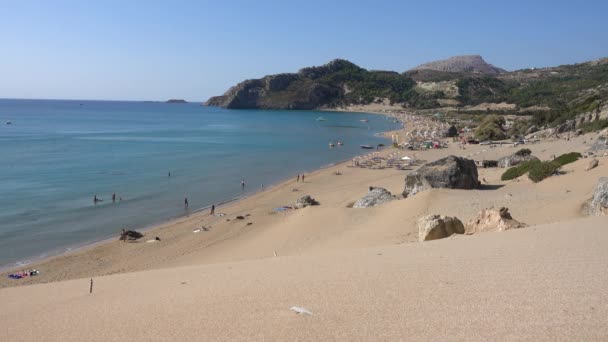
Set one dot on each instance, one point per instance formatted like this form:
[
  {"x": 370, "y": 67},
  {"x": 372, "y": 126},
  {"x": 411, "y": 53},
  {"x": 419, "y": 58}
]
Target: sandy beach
[{"x": 362, "y": 272}]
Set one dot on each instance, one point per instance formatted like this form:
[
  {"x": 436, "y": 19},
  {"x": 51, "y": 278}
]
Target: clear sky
[{"x": 156, "y": 50}]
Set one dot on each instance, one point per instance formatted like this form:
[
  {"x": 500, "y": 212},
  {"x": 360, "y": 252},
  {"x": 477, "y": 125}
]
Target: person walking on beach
[
  {"x": 212, "y": 210},
  {"x": 302, "y": 178},
  {"x": 243, "y": 185},
  {"x": 186, "y": 203},
  {"x": 298, "y": 178}
]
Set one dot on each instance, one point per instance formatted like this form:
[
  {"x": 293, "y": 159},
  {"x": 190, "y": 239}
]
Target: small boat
[
  {"x": 331, "y": 144},
  {"x": 340, "y": 143},
  {"x": 367, "y": 147},
  {"x": 320, "y": 118},
  {"x": 9, "y": 122},
  {"x": 364, "y": 120}
]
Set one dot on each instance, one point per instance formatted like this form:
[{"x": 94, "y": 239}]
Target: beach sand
[{"x": 360, "y": 271}]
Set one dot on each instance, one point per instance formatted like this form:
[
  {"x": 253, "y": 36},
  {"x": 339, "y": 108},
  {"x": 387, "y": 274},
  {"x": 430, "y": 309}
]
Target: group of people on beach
[{"x": 300, "y": 177}]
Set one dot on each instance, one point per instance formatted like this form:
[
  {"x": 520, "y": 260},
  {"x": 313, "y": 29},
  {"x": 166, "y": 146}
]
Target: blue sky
[{"x": 155, "y": 50}]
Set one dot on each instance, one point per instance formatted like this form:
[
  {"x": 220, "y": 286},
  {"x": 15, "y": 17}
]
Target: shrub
[
  {"x": 517, "y": 171},
  {"x": 567, "y": 158},
  {"x": 491, "y": 128},
  {"x": 542, "y": 170},
  {"x": 523, "y": 152}
]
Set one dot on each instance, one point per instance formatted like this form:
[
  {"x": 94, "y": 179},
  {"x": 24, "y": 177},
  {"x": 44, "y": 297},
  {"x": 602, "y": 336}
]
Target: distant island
[{"x": 176, "y": 101}]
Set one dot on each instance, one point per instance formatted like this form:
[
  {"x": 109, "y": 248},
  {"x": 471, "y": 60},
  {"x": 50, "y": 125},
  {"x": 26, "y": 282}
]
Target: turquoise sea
[{"x": 56, "y": 155}]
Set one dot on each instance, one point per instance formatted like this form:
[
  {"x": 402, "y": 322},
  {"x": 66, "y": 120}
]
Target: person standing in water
[
  {"x": 186, "y": 203},
  {"x": 95, "y": 199},
  {"x": 243, "y": 185},
  {"x": 212, "y": 210},
  {"x": 169, "y": 176},
  {"x": 113, "y": 197}
]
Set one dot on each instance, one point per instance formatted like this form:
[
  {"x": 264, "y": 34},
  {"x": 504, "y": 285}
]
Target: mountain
[
  {"x": 464, "y": 84},
  {"x": 469, "y": 64}
]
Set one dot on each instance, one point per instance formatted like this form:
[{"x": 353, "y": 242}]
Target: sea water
[{"x": 55, "y": 156}]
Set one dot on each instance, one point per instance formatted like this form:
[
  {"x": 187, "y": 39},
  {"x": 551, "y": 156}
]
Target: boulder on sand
[
  {"x": 450, "y": 172},
  {"x": 593, "y": 163},
  {"x": 305, "y": 201},
  {"x": 433, "y": 227},
  {"x": 130, "y": 235},
  {"x": 374, "y": 197},
  {"x": 515, "y": 159},
  {"x": 492, "y": 220},
  {"x": 598, "y": 204}
]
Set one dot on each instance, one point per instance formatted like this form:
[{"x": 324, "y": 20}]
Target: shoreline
[
  {"x": 86, "y": 246},
  {"x": 264, "y": 232}
]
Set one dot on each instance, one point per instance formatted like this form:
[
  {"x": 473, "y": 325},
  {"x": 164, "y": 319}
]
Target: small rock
[
  {"x": 433, "y": 227},
  {"x": 374, "y": 197},
  {"x": 593, "y": 163},
  {"x": 492, "y": 220},
  {"x": 305, "y": 201}
]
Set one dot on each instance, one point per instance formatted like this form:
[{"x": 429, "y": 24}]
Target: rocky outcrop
[
  {"x": 567, "y": 126},
  {"x": 450, "y": 172},
  {"x": 532, "y": 129},
  {"x": 598, "y": 204},
  {"x": 492, "y": 220},
  {"x": 515, "y": 159},
  {"x": 374, "y": 197},
  {"x": 433, "y": 227},
  {"x": 472, "y": 63},
  {"x": 593, "y": 163},
  {"x": 305, "y": 201}
]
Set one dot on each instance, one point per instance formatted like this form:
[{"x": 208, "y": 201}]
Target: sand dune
[
  {"x": 542, "y": 283},
  {"x": 361, "y": 272}
]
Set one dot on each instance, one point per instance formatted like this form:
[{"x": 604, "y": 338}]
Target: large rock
[
  {"x": 492, "y": 220},
  {"x": 598, "y": 204},
  {"x": 374, "y": 197},
  {"x": 593, "y": 163},
  {"x": 515, "y": 159},
  {"x": 450, "y": 172},
  {"x": 433, "y": 227},
  {"x": 305, "y": 201}
]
